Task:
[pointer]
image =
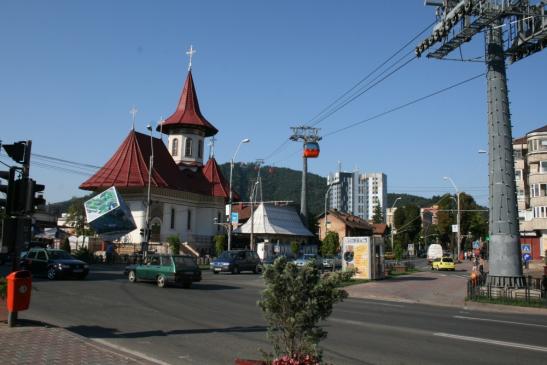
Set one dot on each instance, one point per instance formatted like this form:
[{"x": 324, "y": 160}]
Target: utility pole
[
  {"x": 526, "y": 34},
  {"x": 307, "y": 135}
]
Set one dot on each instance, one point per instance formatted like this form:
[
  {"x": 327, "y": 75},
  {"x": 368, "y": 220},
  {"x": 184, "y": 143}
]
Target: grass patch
[
  {"x": 511, "y": 302},
  {"x": 407, "y": 272}
]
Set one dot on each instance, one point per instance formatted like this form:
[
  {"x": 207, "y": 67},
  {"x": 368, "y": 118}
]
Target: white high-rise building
[{"x": 358, "y": 193}]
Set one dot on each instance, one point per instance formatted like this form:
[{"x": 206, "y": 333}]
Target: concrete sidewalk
[{"x": 36, "y": 343}]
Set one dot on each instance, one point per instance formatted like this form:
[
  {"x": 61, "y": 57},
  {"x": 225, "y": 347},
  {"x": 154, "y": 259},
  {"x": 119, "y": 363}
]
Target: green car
[{"x": 165, "y": 270}]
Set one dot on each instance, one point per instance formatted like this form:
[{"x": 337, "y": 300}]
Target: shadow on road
[
  {"x": 104, "y": 332},
  {"x": 203, "y": 286}
]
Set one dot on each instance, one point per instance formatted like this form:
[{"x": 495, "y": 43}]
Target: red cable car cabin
[{"x": 311, "y": 149}]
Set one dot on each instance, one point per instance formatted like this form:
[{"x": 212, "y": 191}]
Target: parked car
[
  {"x": 165, "y": 270},
  {"x": 309, "y": 257},
  {"x": 53, "y": 263},
  {"x": 443, "y": 263},
  {"x": 330, "y": 262},
  {"x": 270, "y": 260},
  {"x": 236, "y": 261}
]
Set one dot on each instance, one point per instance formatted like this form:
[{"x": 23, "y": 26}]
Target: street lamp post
[
  {"x": 326, "y": 198},
  {"x": 148, "y": 200},
  {"x": 393, "y": 220},
  {"x": 246, "y": 140},
  {"x": 253, "y": 195},
  {"x": 458, "y": 237}
]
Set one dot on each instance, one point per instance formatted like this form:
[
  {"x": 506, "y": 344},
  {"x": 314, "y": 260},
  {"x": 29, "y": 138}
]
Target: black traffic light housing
[
  {"x": 9, "y": 202},
  {"x": 18, "y": 151},
  {"x": 26, "y": 191}
]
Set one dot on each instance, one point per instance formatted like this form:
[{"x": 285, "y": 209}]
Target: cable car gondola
[{"x": 311, "y": 149}]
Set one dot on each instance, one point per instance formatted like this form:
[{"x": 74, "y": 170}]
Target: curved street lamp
[
  {"x": 458, "y": 235},
  {"x": 245, "y": 140}
]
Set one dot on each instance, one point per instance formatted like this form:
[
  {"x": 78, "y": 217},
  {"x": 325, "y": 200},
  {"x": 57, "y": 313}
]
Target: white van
[{"x": 434, "y": 251}]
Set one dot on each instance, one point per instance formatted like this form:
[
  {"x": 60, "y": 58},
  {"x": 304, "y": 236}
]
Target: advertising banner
[
  {"x": 356, "y": 254},
  {"x": 108, "y": 214}
]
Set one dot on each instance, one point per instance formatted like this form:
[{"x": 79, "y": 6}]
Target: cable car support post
[
  {"x": 309, "y": 136},
  {"x": 458, "y": 22}
]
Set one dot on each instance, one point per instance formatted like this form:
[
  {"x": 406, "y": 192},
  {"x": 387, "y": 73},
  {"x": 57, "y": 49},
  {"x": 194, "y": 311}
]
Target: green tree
[
  {"x": 76, "y": 215},
  {"x": 378, "y": 217},
  {"x": 330, "y": 244},
  {"x": 398, "y": 251},
  {"x": 295, "y": 247},
  {"x": 294, "y": 302},
  {"x": 174, "y": 244},
  {"x": 65, "y": 245},
  {"x": 408, "y": 223},
  {"x": 220, "y": 244}
]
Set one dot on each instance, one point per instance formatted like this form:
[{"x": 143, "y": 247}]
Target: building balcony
[
  {"x": 536, "y": 156},
  {"x": 537, "y": 178},
  {"x": 538, "y": 201},
  {"x": 534, "y": 224}
]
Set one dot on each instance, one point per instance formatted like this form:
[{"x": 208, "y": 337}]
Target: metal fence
[{"x": 534, "y": 292}]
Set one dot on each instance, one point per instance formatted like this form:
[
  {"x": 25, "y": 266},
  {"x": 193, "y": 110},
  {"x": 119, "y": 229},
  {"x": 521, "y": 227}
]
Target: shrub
[
  {"x": 65, "y": 245},
  {"x": 293, "y": 303},
  {"x": 295, "y": 248},
  {"x": 331, "y": 244},
  {"x": 220, "y": 244},
  {"x": 3, "y": 287},
  {"x": 399, "y": 251},
  {"x": 174, "y": 244},
  {"x": 83, "y": 254}
]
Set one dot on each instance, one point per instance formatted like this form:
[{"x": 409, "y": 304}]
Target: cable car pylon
[{"x": 309, "y": 136}]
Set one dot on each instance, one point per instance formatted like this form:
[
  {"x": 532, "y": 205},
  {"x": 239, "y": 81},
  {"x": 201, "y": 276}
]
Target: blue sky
[{"x": 70, "y": 72}]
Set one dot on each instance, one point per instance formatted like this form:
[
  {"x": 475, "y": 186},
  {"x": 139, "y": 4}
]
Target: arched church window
[
  {"x": 200, "y": 148},
  {"x": 175, "y": 147},
  {"x": 188, "y": 148}
]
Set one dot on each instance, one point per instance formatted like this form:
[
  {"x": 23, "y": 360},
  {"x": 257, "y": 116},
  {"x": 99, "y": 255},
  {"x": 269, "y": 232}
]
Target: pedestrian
[
  {"x": 465, "y": 255},
  {"x": 109, "y": 252}
]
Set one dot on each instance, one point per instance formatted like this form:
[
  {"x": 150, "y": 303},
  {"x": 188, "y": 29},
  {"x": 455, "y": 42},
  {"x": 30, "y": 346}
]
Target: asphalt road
[{"x": 218, "y": 320}]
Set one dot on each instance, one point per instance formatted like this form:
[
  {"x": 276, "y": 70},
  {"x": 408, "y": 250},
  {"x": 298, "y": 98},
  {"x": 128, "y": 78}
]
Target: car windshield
[
  {"x": 184, "y": 262},
  {"x": 59, "y": 255},
  {"x": 447, "y": 260},
  {"x": 227, "y": 255}
]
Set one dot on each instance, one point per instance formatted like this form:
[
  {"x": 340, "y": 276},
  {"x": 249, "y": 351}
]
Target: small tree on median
[
  {"x": 174, "y": 244},
  {"x": 330, "y": 244},
  {"x": 293, "y": 303}
]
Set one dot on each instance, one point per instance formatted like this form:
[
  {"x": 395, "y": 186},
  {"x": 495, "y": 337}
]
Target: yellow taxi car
[{"x": 444, "y": 263}]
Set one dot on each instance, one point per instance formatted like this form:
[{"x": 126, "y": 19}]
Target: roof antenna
[{"x": 133, "y": 113}]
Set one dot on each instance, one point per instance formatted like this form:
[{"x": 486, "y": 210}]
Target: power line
[{"x": 415, "y": 101}]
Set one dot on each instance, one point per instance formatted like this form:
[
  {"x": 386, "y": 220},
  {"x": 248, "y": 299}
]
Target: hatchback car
[
  {"x": 235, "y": 261},
  {"x": 54, "y": 264},
  {"x": 165, "y": 269},
  {"x": 443, "y": 263}
]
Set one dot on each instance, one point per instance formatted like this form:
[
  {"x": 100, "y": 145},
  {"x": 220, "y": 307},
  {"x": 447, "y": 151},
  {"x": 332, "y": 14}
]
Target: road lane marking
[
  {"x": 128, "y": 351},
  {"x": 500, "y": 321},
  {"x": 492, "y": 342}
]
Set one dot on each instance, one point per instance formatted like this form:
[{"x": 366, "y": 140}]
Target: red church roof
[
  {"x": 188, "y": 113},
  {"x": 128, "y": 167},
  {"x": 219, "y": 186}
]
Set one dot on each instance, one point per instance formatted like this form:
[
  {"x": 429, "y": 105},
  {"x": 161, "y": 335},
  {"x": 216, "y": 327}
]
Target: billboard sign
[
  {"x": 356, "y": 254},
  {"x": 108, "y": 214}
]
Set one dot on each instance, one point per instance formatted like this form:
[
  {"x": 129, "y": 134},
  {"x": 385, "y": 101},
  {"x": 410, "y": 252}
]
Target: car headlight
[
  {"x": 225, "y": 264},
  {"x": 63, "y": 266}
]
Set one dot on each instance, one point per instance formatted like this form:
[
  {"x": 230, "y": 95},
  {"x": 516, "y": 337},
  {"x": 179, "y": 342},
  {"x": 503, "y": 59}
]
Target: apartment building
[
  {"x": 358, "y": 193},
  {"x": 530, "y": 155}
]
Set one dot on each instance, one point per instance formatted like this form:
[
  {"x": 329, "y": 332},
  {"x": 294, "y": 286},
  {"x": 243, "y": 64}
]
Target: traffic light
[
  {"x": 18, "y": 151},
  {"x": 141, "y": 231},
  {"x": 9, "y": 201},
  {"x": 28, "y": 196}
]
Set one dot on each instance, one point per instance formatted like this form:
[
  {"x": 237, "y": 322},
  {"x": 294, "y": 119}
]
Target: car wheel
[
  {"x": 82, "y": 276},
  {"x": 51, "y": 273},
  {"x": 235, "y": 270},
  {"x": 187, "y": 284},
  {"x": 257, "y": 269},
  {"x": 215, "y": 272},
  {"x": 132, "y": 277},
  {"x": 161, "y": 281}
]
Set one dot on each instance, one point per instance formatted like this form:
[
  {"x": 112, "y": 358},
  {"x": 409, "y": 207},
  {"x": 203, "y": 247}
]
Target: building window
[
  {"x": 189, "y": 221},
  {"x": 518, "y": 175},
  {"x": 172, "y": 218},
  {"x": 517, "y": 154},
  {"x": 543, "y": 167},
  {"x": 175, "y": 147},
  {"x": 534, "y": 190},
  {"x": 543, "y": 144},
  {"x": 540, "y": 212},
  {"x": 188, "y": 148},
  {"x": 200, "y": 148}
]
